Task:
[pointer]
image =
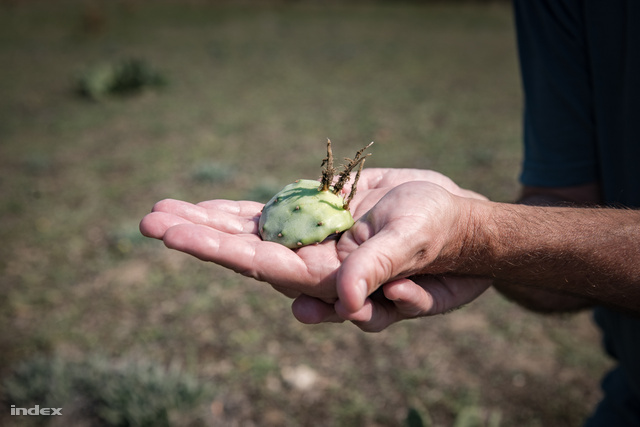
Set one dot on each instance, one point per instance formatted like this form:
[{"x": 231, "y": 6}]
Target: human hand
[
  {"x": 226, "y": 233},
  {"x": 418, "y": 228},
  {"x": 398, "y": 300},
  {"x": 400, "y": 296}
]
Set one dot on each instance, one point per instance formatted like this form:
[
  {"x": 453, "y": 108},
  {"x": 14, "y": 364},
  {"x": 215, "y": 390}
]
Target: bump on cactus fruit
[
  {"x": 306, "y": 211},
  {"x": 302, "y": 214}
]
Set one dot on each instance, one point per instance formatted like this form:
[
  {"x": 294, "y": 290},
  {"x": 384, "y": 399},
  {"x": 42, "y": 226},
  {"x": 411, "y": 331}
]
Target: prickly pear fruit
[
  {"x": 306, "y": 211},
  {"x": 302, "y": 214}
]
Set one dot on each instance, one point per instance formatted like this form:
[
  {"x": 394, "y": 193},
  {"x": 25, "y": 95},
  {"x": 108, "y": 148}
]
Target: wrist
[
  {"x": 466, "y": 240},
  {"x": 476, "y": 249},
  {"x": 587, "y": 253}
]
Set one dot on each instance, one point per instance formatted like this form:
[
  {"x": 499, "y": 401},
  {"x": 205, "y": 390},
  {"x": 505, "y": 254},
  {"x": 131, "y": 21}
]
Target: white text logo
[{"x": 36, "y": 410}]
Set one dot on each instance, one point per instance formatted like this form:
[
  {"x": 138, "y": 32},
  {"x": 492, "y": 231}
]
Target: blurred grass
[{"x": 253, "y": 93}]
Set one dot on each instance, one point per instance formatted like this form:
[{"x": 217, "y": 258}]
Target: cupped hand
[
  {"x": 226, "y": 233},
  {"x": 401, "y": 299},
  {"x": 418, "y": 228},
  {"x": 392, "y": 259}
]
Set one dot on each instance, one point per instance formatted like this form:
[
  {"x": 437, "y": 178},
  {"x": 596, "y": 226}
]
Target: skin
[
  {"x": 226, "y": 233},
  {"x": 423, "y": 246},
  {"x": 537, "y": 299},
  {"x": 547, "y": 258}
]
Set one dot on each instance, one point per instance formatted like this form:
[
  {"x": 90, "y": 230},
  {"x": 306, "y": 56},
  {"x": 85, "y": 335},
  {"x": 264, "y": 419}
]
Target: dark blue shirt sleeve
[{"x": 559, "y": 138}]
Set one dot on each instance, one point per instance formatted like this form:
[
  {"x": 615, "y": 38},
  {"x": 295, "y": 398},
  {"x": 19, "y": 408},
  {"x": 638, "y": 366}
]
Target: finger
[
  {"x": 239, "y": 253},
  {"x": 364, "y": 201},
  {"x": 290, "y": 293},
  {"x": 374, "y": 316},
  {"x": 451, "y": 292},
  {"x": 182, "y": 209},
  {"x": 310, "y": 311},
  {"x": 410, "y": 298},
  {"x": 243, "y": 208},
  {"x": 403, "y": 299},
  {"x": 369, "y": 177},
  {"x": 375, "y": 261},
  {"x": 223, "y": 215},
  {"x": 248, "y": 255},
  {"x": 231, "y": 223},
  {"x": 155, "y": 224}
]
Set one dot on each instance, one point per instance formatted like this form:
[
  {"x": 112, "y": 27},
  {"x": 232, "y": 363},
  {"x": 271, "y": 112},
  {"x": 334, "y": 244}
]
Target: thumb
[{"x": 375, "y": 261}]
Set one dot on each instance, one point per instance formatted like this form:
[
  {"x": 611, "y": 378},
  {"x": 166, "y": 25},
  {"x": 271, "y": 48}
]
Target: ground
[{"x": 252, "y": 94}]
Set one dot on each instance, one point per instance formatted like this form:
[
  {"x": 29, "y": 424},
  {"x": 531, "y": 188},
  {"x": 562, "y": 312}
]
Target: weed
[
  {"x": 120, "y": 77},
  {"x": 212, "y": 173},
  {"x": 253, "y": 90},
  {"x": 109, "y": 392}
]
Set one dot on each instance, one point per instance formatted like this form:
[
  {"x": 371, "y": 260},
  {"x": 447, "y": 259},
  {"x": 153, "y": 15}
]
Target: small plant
[
  {"x": 105, "y": 392},
  {"x": 118, "y": 78},
  {"x": 212, "y": 173},
  {"x": 414, "y": 419},
  {"x": 307, "y": 212}
]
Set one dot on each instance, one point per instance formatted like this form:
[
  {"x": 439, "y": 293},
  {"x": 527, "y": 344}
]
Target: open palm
[{"x": 226, "y": 232}]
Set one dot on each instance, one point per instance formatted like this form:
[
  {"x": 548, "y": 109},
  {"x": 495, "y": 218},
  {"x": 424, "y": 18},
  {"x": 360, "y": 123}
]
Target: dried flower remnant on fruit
[{"x": 305, "y": 212}]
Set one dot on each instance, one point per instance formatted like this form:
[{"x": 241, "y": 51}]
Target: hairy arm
[
  {"x": 556, "y": 258},
  {"x": 538, "y": 299}
]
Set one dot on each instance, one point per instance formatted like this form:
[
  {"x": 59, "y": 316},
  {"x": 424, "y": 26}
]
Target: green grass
[{"x": 253, "y": 92}]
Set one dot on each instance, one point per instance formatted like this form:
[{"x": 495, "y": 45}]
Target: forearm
[
  {"x": 586, "y": 253},
  {"x": 544, "y": 300}
]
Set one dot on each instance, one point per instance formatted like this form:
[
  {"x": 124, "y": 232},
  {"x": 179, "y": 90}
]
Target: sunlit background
[{"x": 109, "y": 106}]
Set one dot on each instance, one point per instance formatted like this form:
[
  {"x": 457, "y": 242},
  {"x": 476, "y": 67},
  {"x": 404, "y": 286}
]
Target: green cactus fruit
[
  {"x": 302, "y": 214},
  {"x": 306, "y": 211}
]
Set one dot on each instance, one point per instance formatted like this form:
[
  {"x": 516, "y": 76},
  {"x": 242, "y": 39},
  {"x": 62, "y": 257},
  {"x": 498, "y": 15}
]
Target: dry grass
[{"x": 253, "y": 93}]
